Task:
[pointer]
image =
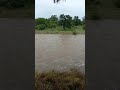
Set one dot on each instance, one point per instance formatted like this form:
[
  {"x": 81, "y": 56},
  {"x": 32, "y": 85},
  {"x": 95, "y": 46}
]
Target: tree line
[{"x": 64, "y": 21}]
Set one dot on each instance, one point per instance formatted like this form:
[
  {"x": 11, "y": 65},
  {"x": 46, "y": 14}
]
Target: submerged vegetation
[
  {"x": 63, "y": 24},
  {"x": 53, "y": 80}
]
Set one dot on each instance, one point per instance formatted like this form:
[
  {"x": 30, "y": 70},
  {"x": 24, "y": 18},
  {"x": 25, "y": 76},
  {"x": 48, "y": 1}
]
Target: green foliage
[
  {"x": 77, "y": 21},
  {"x": 52, "y": 21},
  {"x": 74, "y": 33},
  {"x": 41, "y": 21},
  {"x": 52, "y": 25},
  {"x": 83, "y": 27},
  {"x": 83, "y": 20},
  {"x": 64, "y": 21},
  {"x": 53, "y": 18},
  {"x": 40, "y": 27},
  {"x": 60, "y": 30}
]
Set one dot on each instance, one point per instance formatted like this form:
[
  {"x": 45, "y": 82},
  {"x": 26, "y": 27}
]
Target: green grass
[
  {"x": 53, "y": 80},
  {"x": 58, "y": 30}
]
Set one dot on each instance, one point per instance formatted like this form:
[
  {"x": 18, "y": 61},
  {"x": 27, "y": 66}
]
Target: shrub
[
  {"x": 84, "y": 27},
  {"x": 41, "y": 27},
  {"x": 73, "y": 80},
  {"x": 52, "y": 25},
  {"x": 74, "y": 32}
]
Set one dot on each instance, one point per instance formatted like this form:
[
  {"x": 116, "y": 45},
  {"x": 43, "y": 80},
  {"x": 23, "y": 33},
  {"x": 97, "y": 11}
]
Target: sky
[{"x": 46, "y": 8}]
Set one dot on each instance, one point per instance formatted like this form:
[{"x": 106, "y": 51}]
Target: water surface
[{"x": 59, "y": 52}]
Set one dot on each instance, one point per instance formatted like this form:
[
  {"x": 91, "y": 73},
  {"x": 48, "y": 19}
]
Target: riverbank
[
  {"x": 74, "y": 31},
  {"x": 53, "y": 80}
]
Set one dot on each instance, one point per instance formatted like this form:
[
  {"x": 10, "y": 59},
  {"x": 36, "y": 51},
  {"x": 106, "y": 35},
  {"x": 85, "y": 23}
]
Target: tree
[
  {"x": 52, "y": 24},
  {"x": 53, "y": 18},
  {"x": 53, "y": 21},
  {"x": 83, "y": 20},
  {"x": 68, "y": 22},
  {"x": 40, "y": 27},
  {"x": 65, "y": 21},
  {"x": 62, "y": 20},
  {"x": 41, "y": 21},
  {"x": 76, "y": 21}
]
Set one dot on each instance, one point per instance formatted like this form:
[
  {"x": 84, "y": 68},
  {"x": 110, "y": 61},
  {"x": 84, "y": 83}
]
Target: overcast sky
[{"x": 46, "y": 8}]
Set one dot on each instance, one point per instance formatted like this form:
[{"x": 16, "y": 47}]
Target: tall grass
[
  {"x": 59, "y": 30},
  {"x": 53, "y": 80}
]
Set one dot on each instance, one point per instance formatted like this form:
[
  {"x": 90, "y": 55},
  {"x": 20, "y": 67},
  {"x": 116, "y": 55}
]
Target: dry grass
[
  {"x": 58, "y": 30},
  {"x": 53, "y": 80}
]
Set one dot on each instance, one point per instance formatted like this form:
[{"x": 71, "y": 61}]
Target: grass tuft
[{"x": 53, "y": 80}]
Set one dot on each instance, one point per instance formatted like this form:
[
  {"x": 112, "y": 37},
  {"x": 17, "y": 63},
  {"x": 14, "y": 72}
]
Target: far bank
[{"x": 58, "y": 30}]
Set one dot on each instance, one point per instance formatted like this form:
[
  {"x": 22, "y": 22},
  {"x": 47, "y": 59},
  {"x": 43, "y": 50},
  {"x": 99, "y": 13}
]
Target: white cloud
[{"x": 46, "y": 8}]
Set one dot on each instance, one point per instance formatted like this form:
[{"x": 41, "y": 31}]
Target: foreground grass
[
  {"x": 53, "y": 80},
  {"x": 58, "y": 30}
]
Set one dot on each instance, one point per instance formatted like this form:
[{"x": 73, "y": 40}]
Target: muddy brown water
[{"x": 59, "y": 52}]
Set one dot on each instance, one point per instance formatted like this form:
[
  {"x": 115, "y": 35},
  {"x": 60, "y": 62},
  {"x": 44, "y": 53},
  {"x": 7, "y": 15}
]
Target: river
[{"x": 59, "y": 52}]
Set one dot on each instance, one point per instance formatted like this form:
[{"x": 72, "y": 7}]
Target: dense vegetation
[
  {"x": 61, "y": 23},
  {"x": 53, "y": 80}
]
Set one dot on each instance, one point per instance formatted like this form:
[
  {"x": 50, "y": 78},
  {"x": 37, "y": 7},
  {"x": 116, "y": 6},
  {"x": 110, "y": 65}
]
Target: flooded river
[{"x": 59, "y": 52}]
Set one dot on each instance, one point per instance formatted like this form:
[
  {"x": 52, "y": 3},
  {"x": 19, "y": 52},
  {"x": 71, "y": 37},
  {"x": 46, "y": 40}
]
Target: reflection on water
[{"x": 59, "y": 52}]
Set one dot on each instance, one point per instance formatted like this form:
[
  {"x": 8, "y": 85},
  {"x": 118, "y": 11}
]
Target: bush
[
  {"x": 73, "y": 80},
  {"x": 84, "y": 27},
  {"x": 52, "y": 25},
  {"x": 41, "y": 27},
  {"x": 74, "y": 32}
]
